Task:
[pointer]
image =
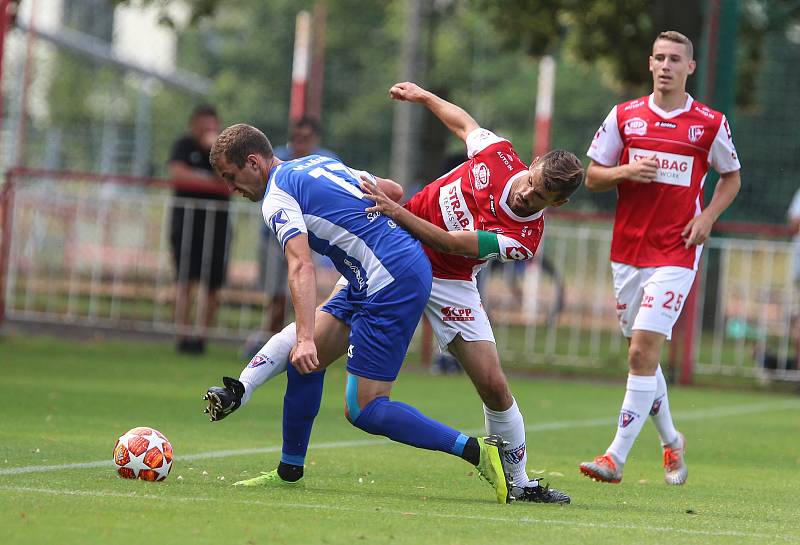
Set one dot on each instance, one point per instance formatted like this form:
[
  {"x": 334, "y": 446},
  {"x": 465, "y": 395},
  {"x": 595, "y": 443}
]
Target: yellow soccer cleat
[
  {"x": 270, "y": 479},
  {"x": 490, "y": 466}
]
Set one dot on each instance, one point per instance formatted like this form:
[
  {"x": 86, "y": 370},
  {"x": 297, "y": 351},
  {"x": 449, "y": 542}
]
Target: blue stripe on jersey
[{"x": 289, "y": 234}]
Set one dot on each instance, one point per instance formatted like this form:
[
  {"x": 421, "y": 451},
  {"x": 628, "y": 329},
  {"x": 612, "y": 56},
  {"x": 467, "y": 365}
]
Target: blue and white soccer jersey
[{"x": 388, "y": 274}]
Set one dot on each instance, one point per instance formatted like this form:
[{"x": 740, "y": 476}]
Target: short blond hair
[{"x": 677, "y": 37}]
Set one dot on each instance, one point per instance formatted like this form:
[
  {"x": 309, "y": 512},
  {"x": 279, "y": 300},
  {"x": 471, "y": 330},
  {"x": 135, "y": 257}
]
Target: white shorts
[
  {"x": 455, "y": 307},
  {"x": 650, "y": 298}
]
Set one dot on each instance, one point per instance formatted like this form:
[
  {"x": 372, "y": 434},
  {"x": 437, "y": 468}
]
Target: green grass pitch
[{"x": 66, "y": 401}]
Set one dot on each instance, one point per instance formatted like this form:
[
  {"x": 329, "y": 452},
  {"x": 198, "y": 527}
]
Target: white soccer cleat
[{"x": 675, "y": 470}]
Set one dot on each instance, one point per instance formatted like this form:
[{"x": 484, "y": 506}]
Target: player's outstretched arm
[
  {"x": 454, "y": 117},
  {"x": 456, "y": 242},
  {"x": 303, "y": 286}
]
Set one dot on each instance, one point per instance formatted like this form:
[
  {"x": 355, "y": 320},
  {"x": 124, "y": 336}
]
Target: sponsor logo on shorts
[
  {"x": 456, "y": 314},
  {"x": 350, "y": 351},
  {"x": 696, "y": 132},
  {"x": 636, "y": 126},
  {"x": 626, "y": 417},
  {"x": 647, "y": 301},
  {"x": 259, "y": 360},
  {"x": 516, "y": 455},
  {"x": 480, "y": 172},
  {"x": 656, "y": 407}
]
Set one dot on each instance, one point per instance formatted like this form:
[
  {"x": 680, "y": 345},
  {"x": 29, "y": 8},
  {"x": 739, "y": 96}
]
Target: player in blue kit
[{"x": 315, "y": 203}]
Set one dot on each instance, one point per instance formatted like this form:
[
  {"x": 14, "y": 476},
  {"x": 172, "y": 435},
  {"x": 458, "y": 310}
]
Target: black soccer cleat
[
  {"x": 535, "y": 492},
  {"x": 223, "y": 401}
]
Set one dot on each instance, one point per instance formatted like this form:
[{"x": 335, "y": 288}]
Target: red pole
[
  {"x": 302, "y": 39},
  {"x": 4, "y": 20},
  {"x": 544, "y": 105},
  {"x": 317, "y": 76},
  {"x": 6, "y": 199},
  {"x": 689, "y": 336}
]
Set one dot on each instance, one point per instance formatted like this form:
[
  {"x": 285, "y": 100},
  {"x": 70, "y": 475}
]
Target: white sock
[
  {"x": 510, "y": 425},
  {"x": 270, "y": 361},
  {"x": 659, "y": 412},
  {"x": 636, "y": 406}
]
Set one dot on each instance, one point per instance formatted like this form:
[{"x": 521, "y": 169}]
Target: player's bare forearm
[
  {"x": 602, "y": 178},
  {"x": 726, "y": 190},
  {"x": 455, "y": 118},
  {"x": 303, "y": 287}
]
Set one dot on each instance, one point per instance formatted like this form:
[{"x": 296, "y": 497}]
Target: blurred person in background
[
  {"x": 304, "y": 140},
  {"x": 655, "y": 152},
  {"x": 199, "y": 230}
]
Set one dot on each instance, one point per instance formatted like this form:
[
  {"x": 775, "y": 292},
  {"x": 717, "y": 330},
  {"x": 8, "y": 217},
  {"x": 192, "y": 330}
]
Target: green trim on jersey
[{"x": 488, "y": 246}]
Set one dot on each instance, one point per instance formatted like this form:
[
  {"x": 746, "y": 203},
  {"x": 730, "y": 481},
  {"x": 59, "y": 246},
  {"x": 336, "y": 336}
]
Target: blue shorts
[{"x": 381, "y": 325}]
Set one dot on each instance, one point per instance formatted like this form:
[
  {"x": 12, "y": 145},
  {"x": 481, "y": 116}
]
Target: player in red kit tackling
[
  {"x": 656, "y": 151},
  {"x": 489, "y": 207}
]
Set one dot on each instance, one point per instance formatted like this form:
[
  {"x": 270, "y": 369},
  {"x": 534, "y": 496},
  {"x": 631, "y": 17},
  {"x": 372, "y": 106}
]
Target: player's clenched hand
[
  {"x": 408, "y": 91},
  {"x": 697, "y": 230},
  {"x": 383, "y": 204},
  {"x": 304, "y": 357},
  {"x": 643, "y": 170}
]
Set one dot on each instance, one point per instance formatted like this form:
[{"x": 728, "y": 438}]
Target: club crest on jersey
[
  {"x": 515, "y": 456},
  {"x": 635, "y": 126},
  {"x": 696, "y": 132},
  {"x": 480, "y": 173},
  {"x": 278, "y": 220},
  {"x": 625, "y": 418}
]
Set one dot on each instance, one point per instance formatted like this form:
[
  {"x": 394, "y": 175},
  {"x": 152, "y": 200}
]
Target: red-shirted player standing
[
  {"x": 656, "y": 152},
  {"x": 489, "y": 207}
]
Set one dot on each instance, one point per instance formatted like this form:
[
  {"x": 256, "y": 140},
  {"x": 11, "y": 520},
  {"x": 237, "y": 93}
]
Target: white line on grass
[
  {"x": 719, "y": 412},
  {"x": 671, "y": 530}
]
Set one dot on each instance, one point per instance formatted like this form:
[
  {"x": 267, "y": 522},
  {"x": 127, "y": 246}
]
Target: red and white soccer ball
[{"x": 143, "y": 453}]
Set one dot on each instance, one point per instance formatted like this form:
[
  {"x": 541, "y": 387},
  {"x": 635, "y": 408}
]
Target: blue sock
[
  {"x": 300, "y": 407},
  {"x": 405, "y": 424}
]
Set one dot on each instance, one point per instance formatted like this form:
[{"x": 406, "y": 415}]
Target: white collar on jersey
[
  {"x": 674, "y": 113},
  {"x": 508, "y": 210}
]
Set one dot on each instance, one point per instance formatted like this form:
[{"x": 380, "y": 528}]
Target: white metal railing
[{"x": 81, "y": 254}]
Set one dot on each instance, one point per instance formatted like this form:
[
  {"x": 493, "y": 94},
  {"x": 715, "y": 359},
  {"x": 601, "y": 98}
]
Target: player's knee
[
  {"x": 495, "y": 393},
  {"x": 641, "y": 358}
]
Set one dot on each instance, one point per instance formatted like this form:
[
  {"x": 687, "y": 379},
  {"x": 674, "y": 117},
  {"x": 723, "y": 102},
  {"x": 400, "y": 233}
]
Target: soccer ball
[{"x": 143, "y": 453}]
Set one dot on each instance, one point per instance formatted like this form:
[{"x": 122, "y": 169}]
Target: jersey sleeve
[
  {"x": 282, "y": 215},
  {"x": 723, "y": 153},
  {"x": 607, "y": 145},
  {"x": 500, "y": 247},
  {"x": 480, "y": 139}
]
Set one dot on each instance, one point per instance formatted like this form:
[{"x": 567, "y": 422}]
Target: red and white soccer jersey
[
  {"x": 472, "y": 197},
  {"x": 651, "y": 216}
]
